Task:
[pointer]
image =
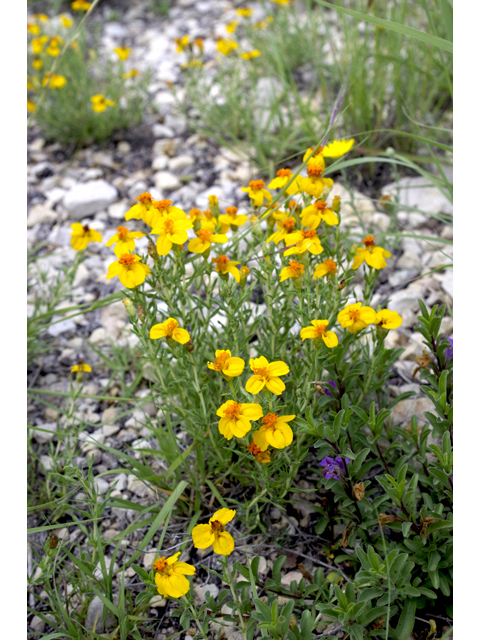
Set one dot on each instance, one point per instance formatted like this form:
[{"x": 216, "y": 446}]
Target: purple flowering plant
[{"x": 334, "y": 467}]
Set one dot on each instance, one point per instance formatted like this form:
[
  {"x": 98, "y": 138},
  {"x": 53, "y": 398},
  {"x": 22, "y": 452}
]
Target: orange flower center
[
  {"x": 144, "y": 198},
  {"x": 170, "y": 327},
  {"x": 233, "y": 410},
  {"x": 221, "y": 263},
  {"x": 288, "y": 224},
  {"x": 204, "y": 234},
  {"x": 320, "y": 205},
  {"x": 355, "y": 314},
  {"x": 216, "y": 526},
  {"x": 283, "y": 173},
  {"x": 314, "y": 171},
  {"x": 208, "y": 214},
  {"x": 331, "y": 265},
  {"x": 309, "y": 233},
  {"x": 254, "y": 450},
  {"x": 320, "y": 330},
  {"x": 317, "y": 152},
  {"x": 256, "y": 185},
  {"x": 168, "y": 225},
  {"x": 245, "y": 271},
  {"x": 195, "y": 213},
  {"x": 220, "y": 361},
  {"x": 296, "y": 269},
  {"x": 261, "y": 371},
  {"x": 127, "y": 260},
  {"x": 270, "y": 420},
  {"x": 369, "y": 241},
  {"x": 122, "y": 232},
  {"x": 231, "y": 211},
  {"x": 163, "y": 204},
  {"x": 160, "y": 564}
]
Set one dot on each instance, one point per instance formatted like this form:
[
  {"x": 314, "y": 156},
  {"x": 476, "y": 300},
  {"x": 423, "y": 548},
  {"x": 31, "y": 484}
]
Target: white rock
[
  {"x": 157, "y": 601},
  {"x": 60, "y": 327},
  {"x": 419, "y": 193},
  {"x": 117, "y": 210},
  {"x": 55, "y": 195},
  {"x": 200, "y": 592},
  {"x": 124, "y": 147},
  {"x": 289, "y": 577},
  {"x": 405, "y": 300},
  {"x": 409, "y": 261},
  {"x": 46, "y": 462},
  {"x": 137, "y": 189},
  {"x": 81, "y": 276},
  {"x": 180, "y": 162},
  {"x": 93, "y": 174},
  {"x": 49, "y": 430},
  {"x": 116, "y": 30},
  {"x": 37, "y": 624},
  {"x": 162, "y": 131},
  {"x": 380, "y": 220},
  {"x": 94, "y": 619},
  {"x": 110, "y": 430},
  {"x": 101, "y": 486},
  {"x": 164, "y": 180},
  {"x": 149, "y": 559},
  {"x": 89, "y": 197},
  {"x": 159, "y": 163},
  {"x": 401, "y": 276},
  {"x": 40, "y": 214},
  {"x": 98, "y": 336},
  {"x": 447, "y": 283}
]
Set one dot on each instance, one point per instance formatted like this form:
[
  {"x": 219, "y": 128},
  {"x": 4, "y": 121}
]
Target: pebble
[
  {"x": 45, "y": 432},
  {"x": 40, "y": 214},
  {"x": 180, "y": 163},
  {"x": 166, "y": 181},
  {"x": 162, "y": 131},
  {"x": 89, "y": 197},
  {"x": 420, "y": 194}
]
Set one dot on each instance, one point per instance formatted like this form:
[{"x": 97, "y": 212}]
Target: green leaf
[
  {"x": 406, "y": 621},
  {"x": 277, "y": 566}
]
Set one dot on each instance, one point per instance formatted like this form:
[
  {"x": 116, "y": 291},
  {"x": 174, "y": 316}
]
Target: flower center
[
  {"x": 245, "y": 271},
  {"x": 208, "y": 214},
  {"x": 309, "y": 233},
  {"x": 122, "y": 232},
  {"x": 170, "y": 327},
  {"x": 144, "y": 198},
  {"x": 86, "y": 228},
  {"x": 163, "y": 204},
  {"x": 283, "y": 173},
  {"x": 269, "y": 420},
  {"x": 317, "y": 152},
  {"x": 288, "y": 224},
  {"x": 204, "y": 234},
  {"x": 233, "y": 410},
  {"x": 195, "y": 214},
  {"x": 127, "y": 260},
  {"x": 254, "y": 450},
  {"x": 256, "y": 185},
  {"x": 320, "y": 205},
  {"x": 261, "y": 371},
  {"x": 296, "y": 269},
  {"x": 168, "y": 225},
  {"x": 160, "y": 564},
  {"x": 216, "y": 526},
  {"x": 331, "y": 265},
  {"x": 231, "y": 211},
  {"x": 369, "y": 241},
  {"x": 220, "y": 361},
  {"x": 320, "y": 330},
  {"x": 221, "y": 263},
  {"x": 314, "y": 171},
  {"x": 355, "y": 314}
]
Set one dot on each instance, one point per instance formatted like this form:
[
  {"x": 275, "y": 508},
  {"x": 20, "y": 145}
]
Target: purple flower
[
  {"x": 334, "y": 467},
  {"x": 326, "y": 390},
  {"x": 448, "y": 353}
]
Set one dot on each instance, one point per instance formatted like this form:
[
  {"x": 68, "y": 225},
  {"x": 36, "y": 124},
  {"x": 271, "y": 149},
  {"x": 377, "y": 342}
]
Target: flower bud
[
  {"x": 256, "y": 228},
  {"x": 341, "y": 284},
  {"x": 130, "y": 309},
  {"x": 336, "y": 204},
  {"x": 152, "y": 250},
  {"x": 244, "y": 271},
  {"x": 352, "y": 251},
  {"x": 141, "y": 313},
  {"x": 214, "y": 208}
]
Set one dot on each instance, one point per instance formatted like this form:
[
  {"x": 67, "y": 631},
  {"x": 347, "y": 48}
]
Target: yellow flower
[
  {"x": 274, "y": 432},
  {"x": 318, "y": 332},
  {"x": 244, "y": 13},
  {"x": 260, "y": 25},
  {"x": 316, "y": 158},
  {"x": 230, "y": 219},
  {"x": 355, "y": 317},
  {"x": 294, "y": 270},
  {"x": 53, "y": 81},
  {"x": 30, "y": 105},
  {"x": 81, "y": 366},
  {"x": 131, "y": 74},
  {"x": 181, "y": 43},
  {"x": 266, "y": 374},
  {"x": 144, "y": 210},
  {"x": 66, "y": 21},
  {"x": 81, "y": 5},
  {"x": 338, "y": 148},
  {"x": 40, "y": 16},
  {"x": 170, "y": 577},
  {"x": 304, "y": 240},
  {"x": 130, "y": 271},
  {"x": 213, "y": 533},
  {"x": 388, "y": 319},
  {"x": 248, "y": 55},
  {"x": 263, "y": 457},
  {"x": 100, "y": 103},
  {"x": 123, "y": 52},
  {"x": 326, "y": 268},
  {"x": 313, "y": 215},
  {"x": 285, "y": 225},
  {"x": 314, "y": 185},
  {"x": 171, "y": 229},
  {"x": 231, "y": 26},
  {"x": 37, "y": 64},
  {"x": 257, "y": 193},
  {"x": 235, "y": 418},
  {"x": 124, "y": 240},
  {"x": 225, "y": 45},
  {"x": 228, "y": 366},
  {"x": 53, "y": 48},
  {"x": 82, "y": 235},
  {"x": 374, "y": 256},
  {"x": 205, "y": 238},
  {"x": 284, "y": 176},
  {"x": 169, "y": 329},
  {"x": 224, "y": 266},
  {"x": 281, "y": 2},
  {"x": 38, "y": 44},
  {"x": 34, "y": 29}
]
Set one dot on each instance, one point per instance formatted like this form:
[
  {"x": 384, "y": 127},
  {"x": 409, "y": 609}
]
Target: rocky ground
[{"x": 96, "y": 186}]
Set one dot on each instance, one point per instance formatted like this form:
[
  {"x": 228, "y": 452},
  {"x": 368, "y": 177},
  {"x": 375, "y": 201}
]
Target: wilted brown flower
[{"x": 359, "y": 491}]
